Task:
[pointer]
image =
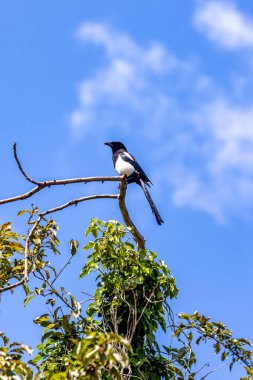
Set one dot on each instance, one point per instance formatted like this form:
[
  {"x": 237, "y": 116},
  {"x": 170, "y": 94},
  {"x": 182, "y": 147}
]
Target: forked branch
[{"x": 47, "y": 184}]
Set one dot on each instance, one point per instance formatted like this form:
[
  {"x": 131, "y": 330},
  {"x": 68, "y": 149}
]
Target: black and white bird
[{"x": 125, "y": 163}]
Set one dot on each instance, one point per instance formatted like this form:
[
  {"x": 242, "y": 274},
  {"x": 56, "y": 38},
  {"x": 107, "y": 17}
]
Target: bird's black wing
[{"x": 131, "y": 160}]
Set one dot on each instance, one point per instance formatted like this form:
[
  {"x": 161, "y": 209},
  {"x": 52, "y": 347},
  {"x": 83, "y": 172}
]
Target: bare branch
[
  {"x": 87, "y": 300},
  {"x": 212, "y": 371},
  {"x": 78, "y": 200},
  {"x": 21, "y": 196},
  {"x": 62, "y": 269},
  {"x": 55, "y": 182},
  {"x": 9, "y": 287},
  {"x": 20, "y": 166},
  {"x": 88, "y": 294},
  {"x": 139, "y": 239},
  {"x": 43, "y": 185}
]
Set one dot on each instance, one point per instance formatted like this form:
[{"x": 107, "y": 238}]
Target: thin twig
[
  {"x": 78, "y": 200},
  {"x": 88, "y": 299},
  {"x": 212, "y": 371},
  {"x": 88, "y": 294},
  {"x": 20, "y": 166},
  {"x": 201, "y": 368},
  {"x": 62, "y": 269},
  {"x": 43, "y": 278}
]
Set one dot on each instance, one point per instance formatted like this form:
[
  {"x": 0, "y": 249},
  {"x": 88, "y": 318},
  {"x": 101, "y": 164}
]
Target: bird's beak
[{"x": 108, "y": 143}]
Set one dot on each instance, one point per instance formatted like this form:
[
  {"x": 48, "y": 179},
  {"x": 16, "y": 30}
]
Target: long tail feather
[{"x": 151, "y": 203}]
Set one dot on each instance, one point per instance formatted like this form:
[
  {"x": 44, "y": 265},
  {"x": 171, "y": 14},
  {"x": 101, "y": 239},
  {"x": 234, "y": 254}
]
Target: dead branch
[
  {"x": 20, "y": 166},
  {"x": 139, "y": 239},
  {"x": 78, "y": 200},
  {"x": 55, "y": 182},
  {"x": 46, "y": 184}
]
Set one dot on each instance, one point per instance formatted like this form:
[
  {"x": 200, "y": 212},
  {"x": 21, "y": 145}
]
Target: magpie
[{"x": 125, "y": 163}]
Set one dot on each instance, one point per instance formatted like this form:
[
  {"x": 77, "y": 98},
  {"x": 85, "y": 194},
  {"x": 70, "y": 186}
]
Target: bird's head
[{"x": 116, "y": 145}]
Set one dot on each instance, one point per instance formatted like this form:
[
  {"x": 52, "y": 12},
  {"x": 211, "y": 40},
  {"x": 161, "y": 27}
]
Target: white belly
[{"x": 123, "y": 167}]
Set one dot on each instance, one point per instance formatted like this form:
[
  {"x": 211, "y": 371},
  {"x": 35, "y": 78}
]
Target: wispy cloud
[
  {"x": 220, "y": 180},
  {"x": 224, "y": 24},
  {"x": 128, "y": 81},
  {"x": 202, "y": 140}
]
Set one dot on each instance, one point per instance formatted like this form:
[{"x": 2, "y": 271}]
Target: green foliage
[
  {"x": 59, "y": 339},
  {"x": 127, "y": 279},
  {"x": 115, "y": 336},
  {"x": 12, "y": 250},
  {"x": 131, "y": 295},
  {"x": 11, "y": 254},
  {"x": 224, "y": 343},
  {"x": 11, "y": 362},
  {"x": 70, "y": 349},
  {"x": 99, "y": 355}
]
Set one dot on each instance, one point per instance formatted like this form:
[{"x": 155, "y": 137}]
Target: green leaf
[
  {"x": 21, "y": 212},
  {"x": 27, "y": 299},
  {"x": 73, "y": 246},
  {"x": 89, "y": 245},
  {"x": 43, "y": 320}
]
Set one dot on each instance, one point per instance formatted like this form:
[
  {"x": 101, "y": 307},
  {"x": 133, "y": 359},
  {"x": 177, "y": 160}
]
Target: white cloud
[
  {"x": 221, "y": 181},
  {"x": 202, "y": 140},
  {"x": 118, "y": 44},
  {"x": 126, "y": 81},
  {"x": 223, "y": 23}
]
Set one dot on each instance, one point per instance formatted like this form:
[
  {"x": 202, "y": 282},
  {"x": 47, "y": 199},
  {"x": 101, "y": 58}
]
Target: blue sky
[{"x": 173, "y": 81}]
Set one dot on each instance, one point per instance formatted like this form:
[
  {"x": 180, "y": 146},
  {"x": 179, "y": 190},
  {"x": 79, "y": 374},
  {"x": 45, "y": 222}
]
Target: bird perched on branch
[{"x": 125, "y": 163}]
